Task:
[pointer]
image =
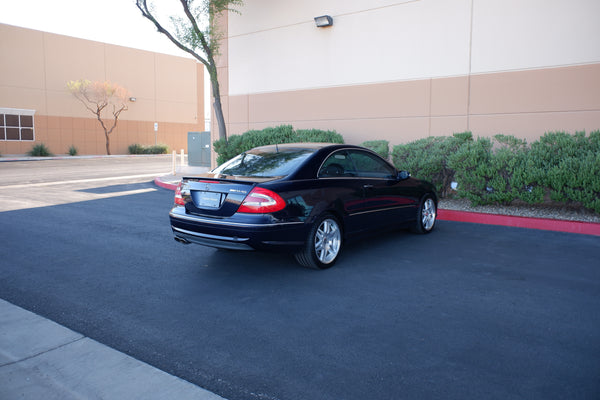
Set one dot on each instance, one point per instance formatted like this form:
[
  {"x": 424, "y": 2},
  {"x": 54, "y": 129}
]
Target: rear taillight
[
  {"x": 261, "y": 201},
  {"x": 178, "y": 198}
]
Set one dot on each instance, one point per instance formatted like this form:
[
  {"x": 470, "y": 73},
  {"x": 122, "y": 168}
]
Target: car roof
[{"x": 304, "y": 145}]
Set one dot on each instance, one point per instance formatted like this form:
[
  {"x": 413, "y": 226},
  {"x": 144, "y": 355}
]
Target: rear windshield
[{"x": 269, "y": 163}]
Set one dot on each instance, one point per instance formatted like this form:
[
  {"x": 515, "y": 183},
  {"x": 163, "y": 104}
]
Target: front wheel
[
  {"x": 426, "y": 216},
  {"x": 323, "y": 244}
]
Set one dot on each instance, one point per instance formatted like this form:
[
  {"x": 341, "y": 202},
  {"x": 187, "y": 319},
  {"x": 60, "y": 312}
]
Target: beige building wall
[
  {"x": 35, "y": 67},
  {"x": 401, "y": 70}
]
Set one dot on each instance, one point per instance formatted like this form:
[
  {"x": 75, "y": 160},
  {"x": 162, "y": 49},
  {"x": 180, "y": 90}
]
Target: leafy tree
[
  {"x": 196, "y": 33},
  {"x": 101, "y": 98}
]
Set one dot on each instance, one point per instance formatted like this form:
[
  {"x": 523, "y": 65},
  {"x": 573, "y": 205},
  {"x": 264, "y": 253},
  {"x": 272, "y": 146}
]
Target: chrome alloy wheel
[
  {"x": 327, "y": 241},
  {"x": 428, "y": 214}
]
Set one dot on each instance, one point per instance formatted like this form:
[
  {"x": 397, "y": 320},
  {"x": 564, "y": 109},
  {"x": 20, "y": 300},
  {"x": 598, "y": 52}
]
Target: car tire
[
  {"x": 426, "y": 216},
  {"x": 323, "y": 244}
]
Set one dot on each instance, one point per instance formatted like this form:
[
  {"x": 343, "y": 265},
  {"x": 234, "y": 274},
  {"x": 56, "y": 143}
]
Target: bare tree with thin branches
[{"x": 101, "y": 98}]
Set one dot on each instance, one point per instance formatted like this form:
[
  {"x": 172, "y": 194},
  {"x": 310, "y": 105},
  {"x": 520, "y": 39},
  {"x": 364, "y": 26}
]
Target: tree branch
[
  {"x": 197, "y": 39},
  {"x": 143, "y": 7},
  {"x": 197, "y": 30}
]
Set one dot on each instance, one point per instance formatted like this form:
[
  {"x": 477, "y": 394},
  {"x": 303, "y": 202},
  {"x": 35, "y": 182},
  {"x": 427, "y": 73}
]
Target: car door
[
  {"x": 387, "y": 199},
  {"x": 338, "y": 174}
]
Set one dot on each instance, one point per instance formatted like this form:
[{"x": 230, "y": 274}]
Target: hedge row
[
  {"x": 237, "y": 144},
  {"x": 559, "y": 167},
  {"x": 154, "y": 149}
]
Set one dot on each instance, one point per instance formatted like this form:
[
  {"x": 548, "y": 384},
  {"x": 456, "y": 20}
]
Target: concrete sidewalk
[{"x": 40, "y": 359}]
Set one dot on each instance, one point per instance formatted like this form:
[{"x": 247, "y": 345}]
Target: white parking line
[{"x": 29, "y": 185}]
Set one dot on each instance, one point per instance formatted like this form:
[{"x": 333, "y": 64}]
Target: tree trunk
[
  {"x": 220, "y": 119},
  {"x": 107, "y": 144},
  {"x": 217, "y": 104}
]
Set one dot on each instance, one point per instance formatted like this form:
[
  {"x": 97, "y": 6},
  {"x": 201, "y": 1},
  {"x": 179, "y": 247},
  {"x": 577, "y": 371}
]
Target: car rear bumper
[
  {"x": 237, "y": 233},
  {"x": 232, "y": 243}
]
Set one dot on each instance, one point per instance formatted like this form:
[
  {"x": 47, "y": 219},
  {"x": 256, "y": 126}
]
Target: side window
[
  {"x": 337, "y": 165},
  {"x": 371, "y": 166}
]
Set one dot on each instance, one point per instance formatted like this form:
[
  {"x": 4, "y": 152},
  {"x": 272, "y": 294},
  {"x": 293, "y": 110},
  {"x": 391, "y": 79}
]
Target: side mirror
[{"x": 402, "y": 175}]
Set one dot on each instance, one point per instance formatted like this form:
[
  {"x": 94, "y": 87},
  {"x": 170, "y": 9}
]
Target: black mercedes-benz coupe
[{"x": 303, "y": 198}]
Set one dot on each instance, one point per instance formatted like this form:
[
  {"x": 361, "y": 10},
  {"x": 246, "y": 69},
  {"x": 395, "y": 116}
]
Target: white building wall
[
  {"x": 513, "y": 35},
  {"x": 275, "y": 46}
]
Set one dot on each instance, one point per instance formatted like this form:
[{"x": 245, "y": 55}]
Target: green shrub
[
  {"x": 569, "y": 166},
  {"x": 154, "y": 149},
  {"x": 559, "y": 166},
  {"x": 510, "y": 163},
  {"x": 428, "y": 158},
  {"x": 381, "y": 147},
  {"x": 136, "y": 149},
  {"x": 72, "y": 150},
  {"x": 237, "y": 144},
  {"x": 317, "y": 136},
  {"x": 493, "y": 171},
  {"x": 40, "y": 150},
  {"x": 159, "y": 149},
  {"x": 471, "y": 164}
]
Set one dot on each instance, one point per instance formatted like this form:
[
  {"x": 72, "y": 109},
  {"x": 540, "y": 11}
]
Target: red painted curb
[
  {"x": 165, "y": 185},
  {"x": 586, "y": 228}
]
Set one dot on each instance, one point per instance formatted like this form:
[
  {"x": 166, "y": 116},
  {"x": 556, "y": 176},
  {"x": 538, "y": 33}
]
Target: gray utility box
[{"x": 199, "y": 149}]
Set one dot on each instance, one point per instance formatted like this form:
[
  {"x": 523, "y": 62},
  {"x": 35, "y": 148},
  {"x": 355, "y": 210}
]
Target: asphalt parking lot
[{"x": 470, "y": 311}]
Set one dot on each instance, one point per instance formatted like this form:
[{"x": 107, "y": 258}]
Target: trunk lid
[{"x": 214, "y": 197}]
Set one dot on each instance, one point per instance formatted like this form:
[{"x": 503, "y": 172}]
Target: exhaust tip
[{"x": 181, "y": 240}]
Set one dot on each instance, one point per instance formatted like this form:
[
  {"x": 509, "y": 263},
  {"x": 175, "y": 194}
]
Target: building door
[{"x": 199, "y": 149}]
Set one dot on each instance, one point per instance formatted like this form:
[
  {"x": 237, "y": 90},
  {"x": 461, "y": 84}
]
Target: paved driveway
[{"x": 470, "y": 311}]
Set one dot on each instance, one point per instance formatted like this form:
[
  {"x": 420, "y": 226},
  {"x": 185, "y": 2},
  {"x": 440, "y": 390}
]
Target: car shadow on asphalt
[
  {"x": 251, "y": 260},
  {"x": 367, "y": 251}
]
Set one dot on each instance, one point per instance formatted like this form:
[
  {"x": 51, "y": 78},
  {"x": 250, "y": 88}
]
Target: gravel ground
[{"x": 551, "y": 211}]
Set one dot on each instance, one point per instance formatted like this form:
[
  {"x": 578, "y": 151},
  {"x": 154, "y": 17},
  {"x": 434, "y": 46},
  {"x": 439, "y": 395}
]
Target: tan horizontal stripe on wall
[{"x": 521, "y": 103}]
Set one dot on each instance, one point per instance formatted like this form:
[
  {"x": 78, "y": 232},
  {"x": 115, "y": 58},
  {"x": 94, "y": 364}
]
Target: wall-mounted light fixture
[
  {"x": 323, "y": 21},
  {"x": 132, "y": 99}
]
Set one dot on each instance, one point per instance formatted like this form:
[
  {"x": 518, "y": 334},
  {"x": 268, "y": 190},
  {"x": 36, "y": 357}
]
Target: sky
[{"x": 108, "y": 21}]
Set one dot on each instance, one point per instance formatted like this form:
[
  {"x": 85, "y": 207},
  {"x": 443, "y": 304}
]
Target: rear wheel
[
  {"x": 323, "y": 244},
  {"x": 426, "y": 216}
]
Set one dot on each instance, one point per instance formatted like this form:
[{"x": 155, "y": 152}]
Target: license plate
[{"x": 208, "y": 199}]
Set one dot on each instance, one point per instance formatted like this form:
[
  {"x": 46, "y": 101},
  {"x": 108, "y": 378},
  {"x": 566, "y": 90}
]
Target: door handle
[{"x": 367, "y": 186}]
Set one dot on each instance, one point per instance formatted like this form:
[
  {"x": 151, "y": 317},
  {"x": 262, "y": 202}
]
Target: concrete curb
[
  {"x": 585, "y": 228},
  {"x": 557, "y": 225},
  {"x": 165, "y": 185}
]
